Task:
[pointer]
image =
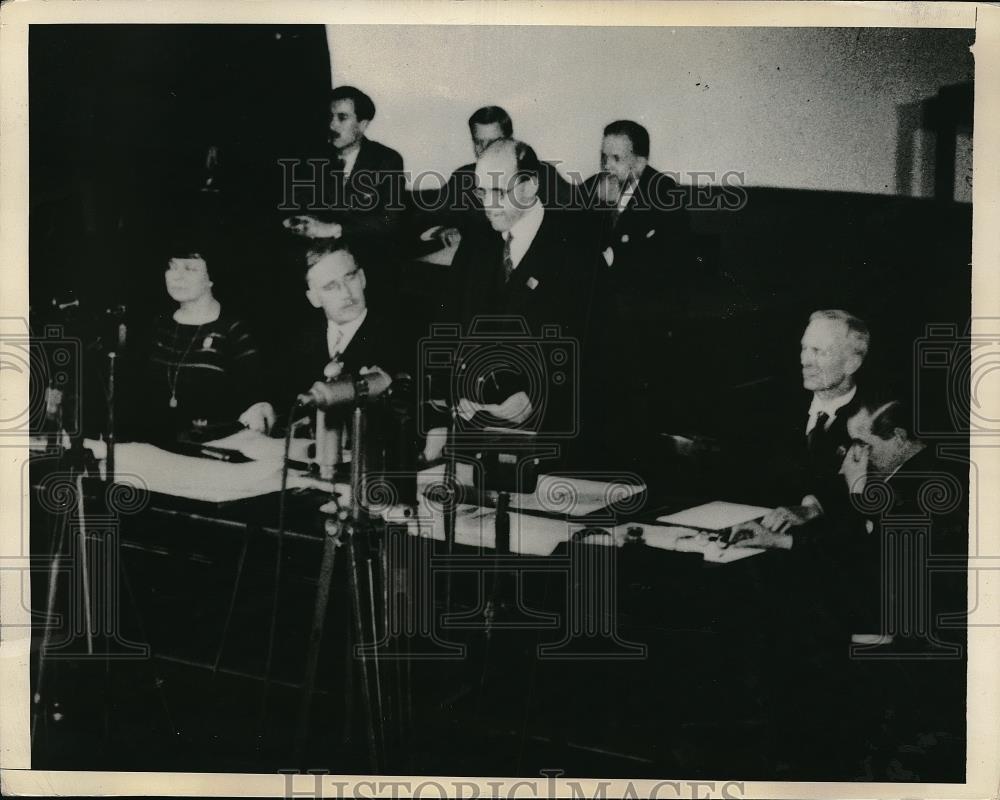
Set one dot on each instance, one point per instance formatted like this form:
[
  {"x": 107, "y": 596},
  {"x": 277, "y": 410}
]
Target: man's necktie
[
  {"x": 333, "y": 340},
  {"x": 508, "y": 262},
  {"x": 337, "y": 174},
  {"x": 819, "y": 429}
]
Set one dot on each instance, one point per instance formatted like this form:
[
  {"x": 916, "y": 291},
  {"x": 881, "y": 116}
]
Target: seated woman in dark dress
[{"x": 203, "y": 374}]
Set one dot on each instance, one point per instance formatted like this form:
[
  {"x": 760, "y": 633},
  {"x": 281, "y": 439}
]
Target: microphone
[
  {"x": 344, "y": 391},
  {"x": 116, "y": 314}
]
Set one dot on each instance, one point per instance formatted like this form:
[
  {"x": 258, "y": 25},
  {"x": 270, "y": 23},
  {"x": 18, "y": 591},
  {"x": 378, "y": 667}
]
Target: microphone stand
[
  {"x": 73, "y": 465},
  {"x": 374, "y": 729},
  {"x": 451, "y": 504},
  {"x": 347, "y": 529},
  {"x": 110, "y": 435}
]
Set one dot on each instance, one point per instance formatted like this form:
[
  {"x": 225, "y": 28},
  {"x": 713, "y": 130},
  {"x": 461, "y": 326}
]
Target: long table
[{"x": 515, "y": 642}]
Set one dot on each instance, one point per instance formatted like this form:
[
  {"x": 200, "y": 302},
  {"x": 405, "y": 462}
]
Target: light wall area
[{"x": 802, "y": 108}]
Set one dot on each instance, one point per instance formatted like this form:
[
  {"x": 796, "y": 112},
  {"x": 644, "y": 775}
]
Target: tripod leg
[
  {"x": 359, "y": 636},
  {"x": 376, "y": 664},
  {"x": 330, "y": 543},
  {"x": 50, "y": 604},
  {"x": 84, "y": 566}
]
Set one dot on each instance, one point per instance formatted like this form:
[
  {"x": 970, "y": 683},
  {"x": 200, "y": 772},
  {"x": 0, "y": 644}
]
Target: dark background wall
[{"x": 121, "y": 121}]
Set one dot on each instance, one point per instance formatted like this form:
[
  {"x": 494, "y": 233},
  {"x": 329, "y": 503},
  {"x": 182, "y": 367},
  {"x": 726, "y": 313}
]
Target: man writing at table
[{"x": 883, "y": 592}]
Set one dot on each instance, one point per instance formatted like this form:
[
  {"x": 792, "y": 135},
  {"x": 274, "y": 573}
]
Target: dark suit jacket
[
  {"x": 650, "y": 239},
  {"x": 378, "y": 342},
  {"x": 550, "y": 286},
  {"x": 924, "y": 507},
  {"x": 370, "y": 203},
  {"x": 770, "y": 455},
  {"x": 545, "y": 303}
]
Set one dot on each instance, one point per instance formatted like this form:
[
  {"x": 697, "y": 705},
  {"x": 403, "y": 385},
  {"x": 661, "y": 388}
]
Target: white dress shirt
[
  {"x": 349, "y": 158},
  {"x": 831, "y": 407},
  {"x": 522, "y": 233},
  {"x": 338, "y": 337},
  {"x": 626, "y": 193}
]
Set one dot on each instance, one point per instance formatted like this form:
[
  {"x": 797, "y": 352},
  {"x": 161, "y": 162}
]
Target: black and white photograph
[{"x": 440, "y": 399}]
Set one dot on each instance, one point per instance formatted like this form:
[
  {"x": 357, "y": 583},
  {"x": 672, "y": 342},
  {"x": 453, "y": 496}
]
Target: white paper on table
[
  {"x": 689, "y": 540},
  {"x": 554, "y": 493},
  {"x": 475, "y": 526},
  {"x": 714, "y": 516},
  {"x": 557, "y": 494},
  {"x": 252, "y": 444},
  {"x": 148, "y": 467},
  {"x": 435, "y": 475},
  {"x": 718, "y": 554}
]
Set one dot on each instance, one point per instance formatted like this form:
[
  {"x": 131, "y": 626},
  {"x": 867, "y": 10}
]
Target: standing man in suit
[
  {"x": 641, "y": 212},
  {"x": 459, "y": 206},
  {"x": 531, "y": 272},
  {"x": 360, "y": 191},
  {"x": 640, "y": 218}
]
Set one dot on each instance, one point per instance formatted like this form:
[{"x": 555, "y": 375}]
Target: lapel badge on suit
[
  {"x": 624, "y": 238},
  {"x": 209, "y": 343},
  {"x": 651, "y": 234},
  {"x": 532, "y": 283}
]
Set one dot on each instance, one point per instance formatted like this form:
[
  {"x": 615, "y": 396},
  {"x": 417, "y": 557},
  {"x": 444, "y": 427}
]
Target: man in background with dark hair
[
  {"x": 893, "y": 476},
  {"x": 642, "y": 214},
  {"x": 644, "y": 247},
  {"x": 458, "y": 197},
  {"x": 359, "y": 191},
  {"x": 893, "y": 570}
]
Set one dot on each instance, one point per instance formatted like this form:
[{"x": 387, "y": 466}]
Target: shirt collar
[
  {"x": 629, "y": 190},
  {"x": 831, "y": 407},
  {"x": 350, "y": 158},
  {"x": 523, "y": 231},
  {"x": 346, "y": 332}
]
